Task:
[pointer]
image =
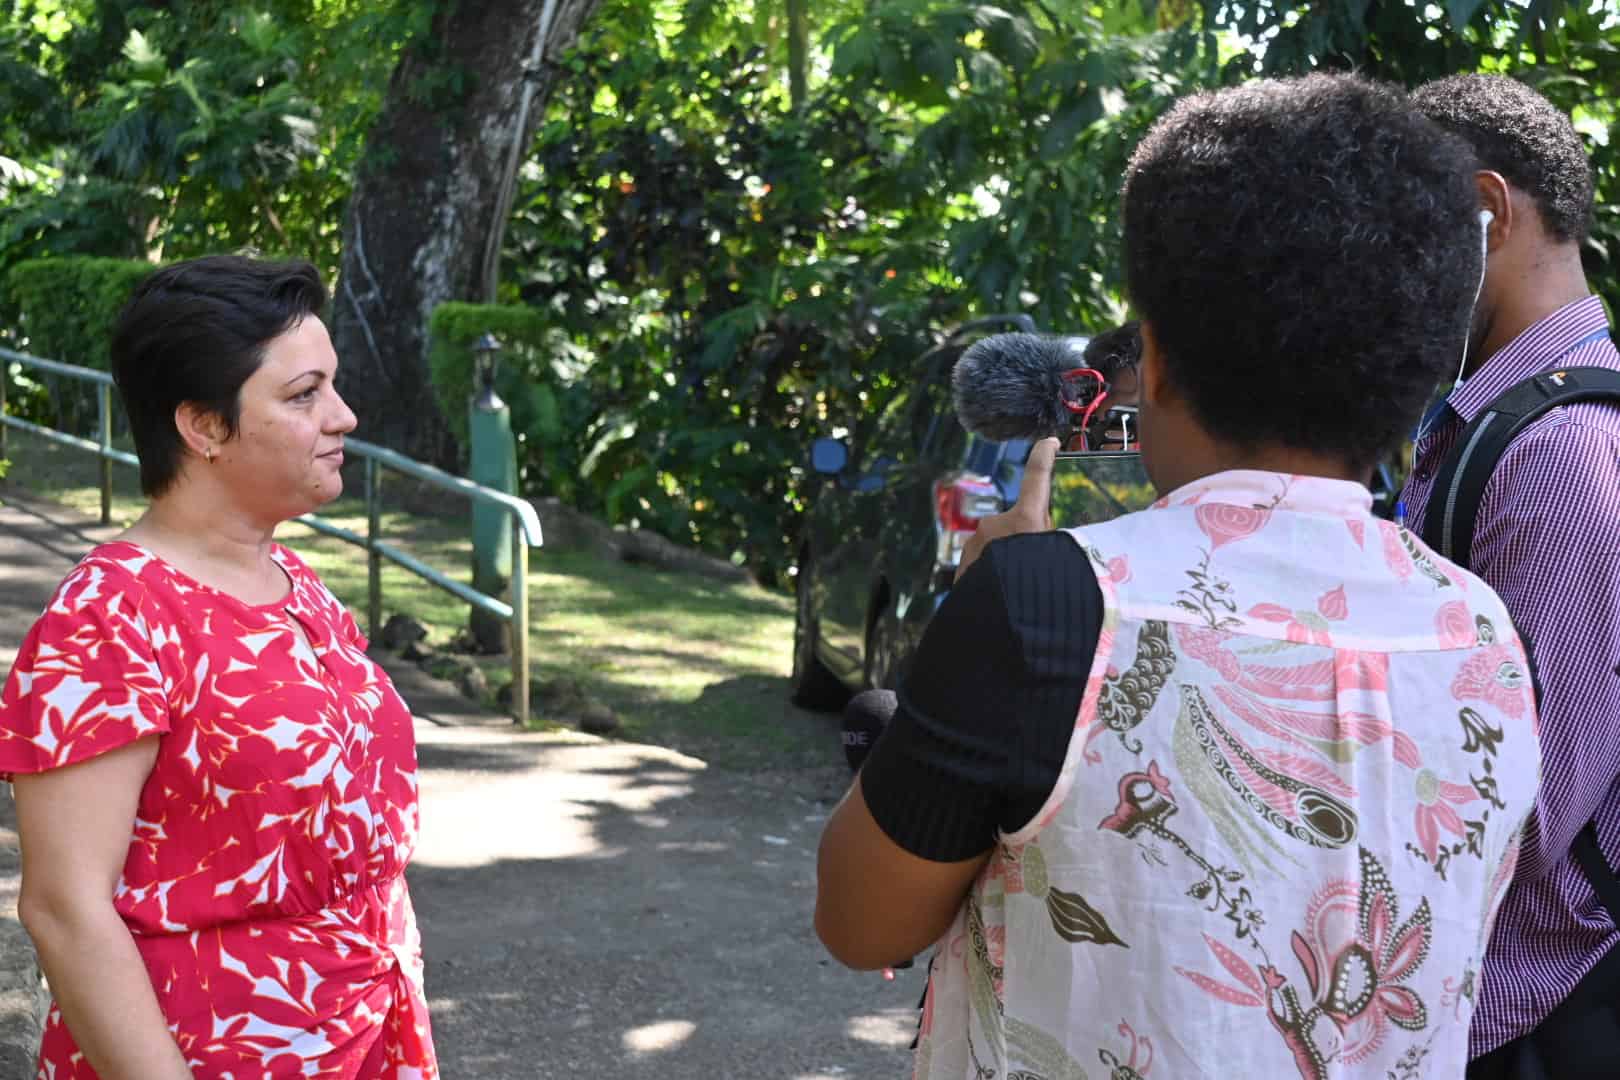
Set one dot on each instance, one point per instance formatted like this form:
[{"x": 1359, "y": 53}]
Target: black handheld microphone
[
  {"x": 865, "y": 717},
  {"x": 1010, "y": 386}
]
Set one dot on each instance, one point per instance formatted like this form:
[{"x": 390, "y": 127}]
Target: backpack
[{"x": 1448, "y": 525}]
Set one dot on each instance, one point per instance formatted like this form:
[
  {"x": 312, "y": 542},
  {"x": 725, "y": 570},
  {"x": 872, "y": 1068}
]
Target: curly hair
[
  {"x": 1115, "y": 349},
  {"x": 1520, "y": 134},
  {"x": 1307, "y": 252}
]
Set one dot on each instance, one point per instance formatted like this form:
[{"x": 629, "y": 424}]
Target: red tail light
[{"x": 959, "y": 503}]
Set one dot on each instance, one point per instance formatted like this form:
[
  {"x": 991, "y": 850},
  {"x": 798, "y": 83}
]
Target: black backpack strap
[
  {"x": 1598, "y": 871},
  {"x": 1448, "y": 522}
]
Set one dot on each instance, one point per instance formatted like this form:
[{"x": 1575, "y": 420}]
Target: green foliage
[
  {"x": 61, "y": 309},
  {"x": 1565, "y": 50},
  {"x": 701, "y": 277},
  {"x": 189, "y": 127},
  {"x": 743, "y": 277},
  {"x": 27, "y": 395},
  {"x": 1027, "y": 116},
  {"x": 64, "y": 309},
  {"x": 535, "y": 375}
]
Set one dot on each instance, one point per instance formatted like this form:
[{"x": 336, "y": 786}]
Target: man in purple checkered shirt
[{"x": 1548, "y": 541}]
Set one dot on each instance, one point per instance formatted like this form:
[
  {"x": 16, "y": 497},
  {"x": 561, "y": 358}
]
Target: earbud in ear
[{"x": 1485, "y": 218}]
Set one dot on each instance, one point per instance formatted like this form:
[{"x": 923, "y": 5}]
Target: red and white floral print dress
[{"x": 265, "y": 881}]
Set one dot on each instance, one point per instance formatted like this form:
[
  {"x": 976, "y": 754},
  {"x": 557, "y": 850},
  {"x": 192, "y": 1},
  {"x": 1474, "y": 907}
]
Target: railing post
[
  {"x": 104, "y": 421},
  {"x": 5, "y": 373},
  {"x": 520, "y": 621},
  {"x": 373, "y": 556},
  {"x": 491, "y": 463}
]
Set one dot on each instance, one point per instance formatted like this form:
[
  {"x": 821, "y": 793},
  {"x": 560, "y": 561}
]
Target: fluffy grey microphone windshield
[{"x": 1007, "y": 386}]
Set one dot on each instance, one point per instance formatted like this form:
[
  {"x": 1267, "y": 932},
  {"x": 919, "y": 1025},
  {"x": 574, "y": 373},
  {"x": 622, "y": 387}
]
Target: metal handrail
[{"x": 525, "y": 522}]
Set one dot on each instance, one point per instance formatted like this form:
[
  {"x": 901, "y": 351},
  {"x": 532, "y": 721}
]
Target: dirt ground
[{"x": 608, "y": 910}]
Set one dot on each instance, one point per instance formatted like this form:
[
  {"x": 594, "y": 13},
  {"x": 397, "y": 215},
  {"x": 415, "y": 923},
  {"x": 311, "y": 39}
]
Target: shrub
[
  {"x": 61, "y": 309},
  {"x": 64, "y": 308}
]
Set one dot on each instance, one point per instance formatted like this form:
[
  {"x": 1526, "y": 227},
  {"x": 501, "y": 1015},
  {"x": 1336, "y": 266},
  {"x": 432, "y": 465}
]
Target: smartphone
[{"x": 1091, "y": 486}]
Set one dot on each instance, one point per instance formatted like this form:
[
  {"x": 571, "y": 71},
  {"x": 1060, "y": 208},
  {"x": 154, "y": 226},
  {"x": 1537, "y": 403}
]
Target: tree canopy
[{"x": 740, "y": 220}]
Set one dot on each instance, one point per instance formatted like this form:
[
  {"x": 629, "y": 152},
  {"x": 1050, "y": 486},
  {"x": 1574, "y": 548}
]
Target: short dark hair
[
  {"x": 1114, "y": 350},
  {"x": 1520, "y": 134},
  {"x": 1307, "y": 252},
  {"x": 196, "y": 331}
]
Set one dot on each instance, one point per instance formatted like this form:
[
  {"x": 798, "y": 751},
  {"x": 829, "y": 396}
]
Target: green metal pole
[
  {"x": 104, "y": 411},
  {"x": 520, "y": 621},
  {"x": 373, "y": 556},
  {"x": 492, "y": 462}
]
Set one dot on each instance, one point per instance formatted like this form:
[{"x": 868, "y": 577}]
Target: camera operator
[{"x": 1189, "y": 787}]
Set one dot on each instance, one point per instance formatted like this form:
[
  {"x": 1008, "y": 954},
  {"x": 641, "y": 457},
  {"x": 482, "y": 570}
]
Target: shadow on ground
[{"x": 609, "y": 910}]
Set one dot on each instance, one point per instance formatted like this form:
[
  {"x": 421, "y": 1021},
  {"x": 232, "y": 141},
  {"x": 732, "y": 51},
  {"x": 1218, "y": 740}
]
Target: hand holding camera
[{"x": 1031, "y": 513}]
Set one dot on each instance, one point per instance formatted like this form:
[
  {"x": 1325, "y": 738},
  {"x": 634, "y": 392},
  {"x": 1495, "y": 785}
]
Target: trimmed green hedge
[{"x": 64, "y": 309}]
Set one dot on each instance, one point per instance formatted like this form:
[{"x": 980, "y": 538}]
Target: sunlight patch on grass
[{"x": 72, "y": 476}]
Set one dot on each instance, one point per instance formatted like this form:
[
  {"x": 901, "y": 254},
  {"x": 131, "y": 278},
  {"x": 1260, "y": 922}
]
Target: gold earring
[{"x": 209, "y": 454}]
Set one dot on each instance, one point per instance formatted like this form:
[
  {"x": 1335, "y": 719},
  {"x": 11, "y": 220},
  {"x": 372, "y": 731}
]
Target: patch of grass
[
  {"x": 689, "y": 663},
  {"x": 71, "y": 476}
]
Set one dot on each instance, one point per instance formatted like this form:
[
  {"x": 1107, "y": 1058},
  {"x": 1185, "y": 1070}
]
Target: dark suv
[{"x": 882, "y": 540}]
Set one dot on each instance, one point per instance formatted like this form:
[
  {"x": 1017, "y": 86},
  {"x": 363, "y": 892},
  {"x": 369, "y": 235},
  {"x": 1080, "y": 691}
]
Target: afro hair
[
  {"x": 1520, "y": 134},
  {"x": 1307, "y": 251}
]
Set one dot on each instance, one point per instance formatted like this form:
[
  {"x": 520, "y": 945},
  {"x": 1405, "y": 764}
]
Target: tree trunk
[{"x": 431, "y": 202}]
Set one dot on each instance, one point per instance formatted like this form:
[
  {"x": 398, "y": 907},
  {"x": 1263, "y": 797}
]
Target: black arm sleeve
[{"x": 989, "y": 702}]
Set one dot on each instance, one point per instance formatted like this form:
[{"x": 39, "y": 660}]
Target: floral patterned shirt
[
  {"x": 1289, "y": 809},
  {"x": 265, "y": 881}
]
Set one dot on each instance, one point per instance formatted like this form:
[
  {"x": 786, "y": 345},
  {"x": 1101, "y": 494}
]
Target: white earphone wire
[{"x": 1485, "y": 219}]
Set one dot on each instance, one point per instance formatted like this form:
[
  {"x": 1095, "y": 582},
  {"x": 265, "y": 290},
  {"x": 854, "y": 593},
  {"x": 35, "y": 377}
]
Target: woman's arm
[
  {"x": 876, "y": 902},
  {"x": 75, "y": 824},
  {"x": 973, "y": 750}
]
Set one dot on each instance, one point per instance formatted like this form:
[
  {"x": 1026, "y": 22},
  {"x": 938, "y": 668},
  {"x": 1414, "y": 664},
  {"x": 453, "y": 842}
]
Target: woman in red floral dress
[{"x": 216, "y": 788}]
